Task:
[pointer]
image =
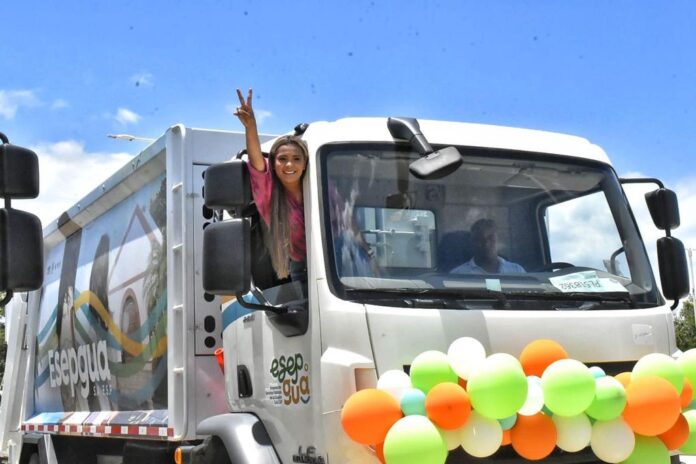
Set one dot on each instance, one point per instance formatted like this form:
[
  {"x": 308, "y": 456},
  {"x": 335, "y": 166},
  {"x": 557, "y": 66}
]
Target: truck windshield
[{"x": 551, "y": 231}]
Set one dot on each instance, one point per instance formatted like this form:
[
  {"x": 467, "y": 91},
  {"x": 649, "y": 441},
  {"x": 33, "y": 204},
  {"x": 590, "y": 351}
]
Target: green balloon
[
  {"x": 414, "y": 440},
  {"x": 660, "y": 365},
  {"x": 569, "y": 387},
  {"x": 609, "y": 400},
  {"x": 687, "y": 361},
  {"x": 429, "y": 369},
  {"x": 497, "y": 387},
  {"x": 648, "y": 450},
  {"x": 690, "y": 446}
]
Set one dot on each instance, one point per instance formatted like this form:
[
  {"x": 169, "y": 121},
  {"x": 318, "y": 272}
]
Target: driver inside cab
[{"x": 484, "y": 238}]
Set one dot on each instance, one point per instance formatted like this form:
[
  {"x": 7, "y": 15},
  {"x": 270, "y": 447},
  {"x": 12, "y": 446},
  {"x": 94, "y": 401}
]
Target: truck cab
[
  {"x": 149, "y": 325},
  {"x": 392, "y": 272}
]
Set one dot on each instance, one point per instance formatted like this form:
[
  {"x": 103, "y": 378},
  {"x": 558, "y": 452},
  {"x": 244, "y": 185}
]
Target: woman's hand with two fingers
[{"x": 244, "y": 111}]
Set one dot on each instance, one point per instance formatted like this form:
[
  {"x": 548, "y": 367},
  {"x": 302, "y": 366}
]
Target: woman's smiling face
[{"x": 289, "y": 164}]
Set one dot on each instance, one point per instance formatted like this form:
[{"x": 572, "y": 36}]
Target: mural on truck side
[{"x": 102, "y": 343}]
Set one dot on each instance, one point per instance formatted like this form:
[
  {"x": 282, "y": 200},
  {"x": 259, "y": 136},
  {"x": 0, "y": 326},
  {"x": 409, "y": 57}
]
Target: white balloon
[
  {"x": 464, "y": 354},
  {"x": 453, "y": 438},
  {"x": 574, "y": 432},
  {"x": 481, "y": 436},
  {"x": 612, "y": 441},
  {"x": 394, "y": 382},
  {"x": 535, "y": 397}
]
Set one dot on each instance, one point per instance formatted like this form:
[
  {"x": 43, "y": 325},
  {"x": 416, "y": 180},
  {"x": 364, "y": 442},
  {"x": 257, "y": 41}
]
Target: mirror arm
[
  {"x": 674, "y": 305},
  {"x": 643, "y": 180},
  {"x": 616, "y": 253},
  {"x": 261, "y": 307},
  {"x": 8, "y": 296}
]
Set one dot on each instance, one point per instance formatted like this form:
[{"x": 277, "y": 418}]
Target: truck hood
[{"x": 610, "y": 338}]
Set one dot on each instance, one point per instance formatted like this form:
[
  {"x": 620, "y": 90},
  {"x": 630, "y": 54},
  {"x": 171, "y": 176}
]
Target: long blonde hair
[{"x": 277, "y": 232}]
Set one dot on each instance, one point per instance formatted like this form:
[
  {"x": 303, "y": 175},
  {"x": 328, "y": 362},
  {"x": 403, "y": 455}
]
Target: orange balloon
[
  {"x": 675, "y": 437},
  {"x": 507, "y": 437},
  {"x": 447, "y": 405},
  {"x": 368, "y": 415},
  {"x": 624, "y": 378},
  {"x": 534, "y": 437},
  {"x": 379, "y": 449},
  {"x": 687, "y": 394},
  {"x": 539, "y": 355},
  {"x": 652, "y": 405}
]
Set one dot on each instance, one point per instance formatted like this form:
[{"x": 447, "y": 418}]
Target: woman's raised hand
[{"x": 244, "y": 111}]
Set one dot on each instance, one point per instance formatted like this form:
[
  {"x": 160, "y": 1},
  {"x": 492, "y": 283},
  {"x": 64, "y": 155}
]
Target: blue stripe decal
[
  {"x": 49, "y": 325},
  {"x": 42, "y": 378},
  {"x": 235, "y": 311}
]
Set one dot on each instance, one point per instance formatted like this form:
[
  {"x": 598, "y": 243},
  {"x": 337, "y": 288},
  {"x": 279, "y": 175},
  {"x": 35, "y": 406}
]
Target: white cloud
[
  {"x": 12, "y": 100},
  {"x": 59, "y": 104},
  {"x": 582, "y": 231},
  {"x": 261, "y": 115},
  {"x": 125, "y": 116},
  {"x": 144, "y": 79},
  {"x": 68, "y": 173}
]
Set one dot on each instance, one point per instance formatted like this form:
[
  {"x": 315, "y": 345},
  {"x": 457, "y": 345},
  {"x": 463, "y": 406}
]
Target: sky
[{"x": 619, "y": 73}]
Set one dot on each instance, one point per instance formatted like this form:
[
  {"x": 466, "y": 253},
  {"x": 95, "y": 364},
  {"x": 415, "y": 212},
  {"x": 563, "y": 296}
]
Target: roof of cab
[{"x": 457, "y": 133}]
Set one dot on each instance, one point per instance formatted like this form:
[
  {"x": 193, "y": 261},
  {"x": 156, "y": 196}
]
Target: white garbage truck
[{"x": 160, "y": 332}]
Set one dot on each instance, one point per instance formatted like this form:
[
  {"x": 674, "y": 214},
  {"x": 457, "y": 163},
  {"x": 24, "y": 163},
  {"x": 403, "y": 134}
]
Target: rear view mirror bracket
[
  {"x": 264, "y": 306},
  {"x": 6, "y": 299},
  {"x": 662, "y": 204},
  {"x": 432, "y": 164}
]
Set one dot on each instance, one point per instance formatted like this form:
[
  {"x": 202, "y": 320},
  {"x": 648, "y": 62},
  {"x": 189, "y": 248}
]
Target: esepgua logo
[{"x": 292, "y": 374}]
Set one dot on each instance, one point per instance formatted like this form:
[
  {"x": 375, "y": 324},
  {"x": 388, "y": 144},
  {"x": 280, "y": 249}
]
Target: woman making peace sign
[{"x": 276, "y": 185}]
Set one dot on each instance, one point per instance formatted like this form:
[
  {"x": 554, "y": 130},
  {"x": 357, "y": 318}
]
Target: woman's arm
[{"x": 245, "y": 113}]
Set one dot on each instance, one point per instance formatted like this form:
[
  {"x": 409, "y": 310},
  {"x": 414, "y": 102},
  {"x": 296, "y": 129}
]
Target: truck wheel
[{"x": 34, "y": 459}]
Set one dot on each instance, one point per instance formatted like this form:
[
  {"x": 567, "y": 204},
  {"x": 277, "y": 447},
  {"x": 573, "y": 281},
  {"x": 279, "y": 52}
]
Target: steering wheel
[{"x": 552, "y": 266}]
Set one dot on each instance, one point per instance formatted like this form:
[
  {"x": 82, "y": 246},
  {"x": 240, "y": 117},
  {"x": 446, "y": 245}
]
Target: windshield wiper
[
  {"x": 592, "y": 300},
  {"x": 407, "y": 297},
  {"x": 421, "y": 295}
]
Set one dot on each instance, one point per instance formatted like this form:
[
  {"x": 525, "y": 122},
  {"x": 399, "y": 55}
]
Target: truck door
[{"x": 273, "y": 378}]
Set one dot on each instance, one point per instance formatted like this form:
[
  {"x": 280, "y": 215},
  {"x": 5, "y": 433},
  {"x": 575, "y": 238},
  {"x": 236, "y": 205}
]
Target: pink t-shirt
[{"x": 261, "y": 188}]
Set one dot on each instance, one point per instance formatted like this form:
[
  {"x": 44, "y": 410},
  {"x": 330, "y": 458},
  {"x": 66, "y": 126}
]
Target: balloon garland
[{"x": 542, "y": 401}]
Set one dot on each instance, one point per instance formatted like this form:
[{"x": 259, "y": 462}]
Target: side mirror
[
  {"x": 227, "y": 257},
  {"x": 21, "y": 238},
  {"x": 674, "y": 272},
  {"x": 21, "y": 251},
  {"x": 19, "y": 172},
  {"x": 432, "y": 164},
  {"x": 227, "y": 186},
  {"x": 437, "y": 164},
  {"x": 664, "y": 208}
]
